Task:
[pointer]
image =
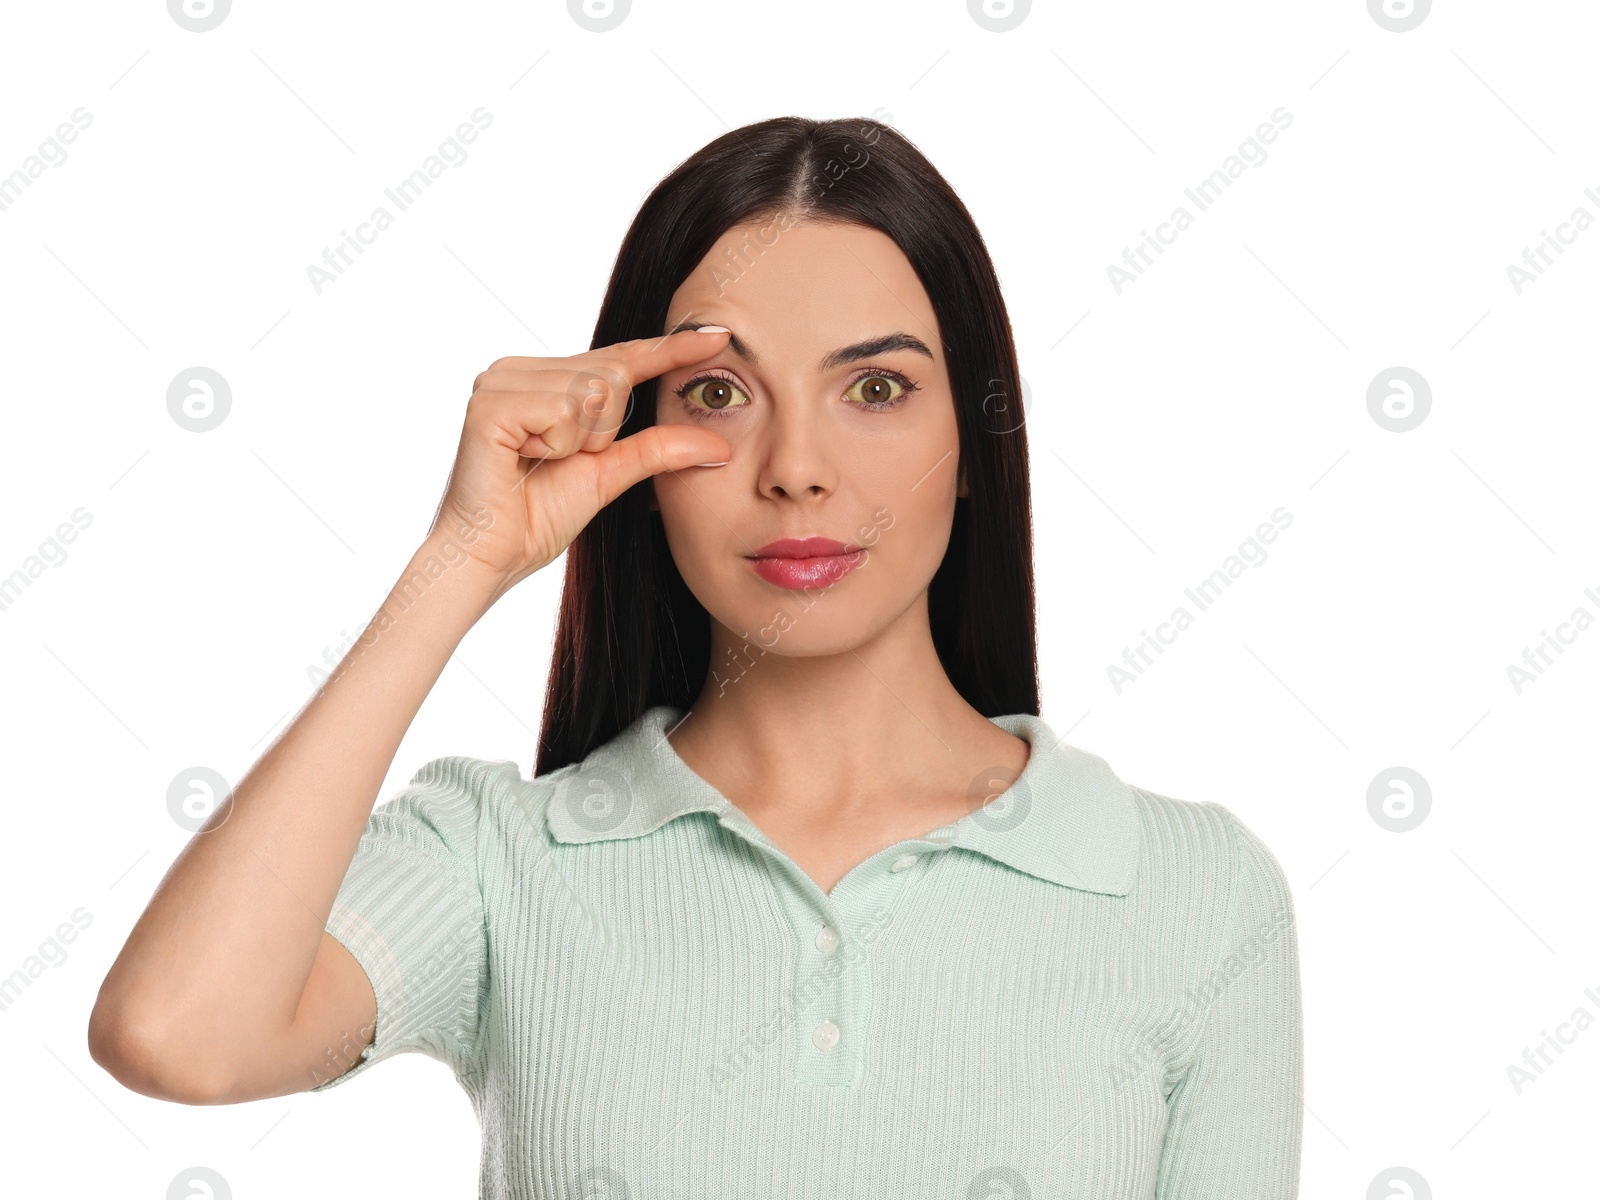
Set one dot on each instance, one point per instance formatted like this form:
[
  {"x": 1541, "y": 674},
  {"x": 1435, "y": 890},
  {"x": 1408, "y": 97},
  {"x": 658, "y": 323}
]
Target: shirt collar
[{"x": 1066, "y": 819}]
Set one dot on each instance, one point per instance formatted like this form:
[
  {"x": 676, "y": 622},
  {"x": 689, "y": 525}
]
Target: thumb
[{"x": 653, "y": 450}]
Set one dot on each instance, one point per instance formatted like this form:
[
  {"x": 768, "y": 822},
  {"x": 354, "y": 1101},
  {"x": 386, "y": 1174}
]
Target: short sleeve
[
  {"x": 410, "y": 909},
  {"x": 1234, "y": 1118}
]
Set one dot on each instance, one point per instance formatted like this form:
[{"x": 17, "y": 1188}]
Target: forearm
[{"x": 226, "y": 944}]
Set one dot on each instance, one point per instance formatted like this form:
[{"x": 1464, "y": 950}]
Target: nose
[{"x": 796, "y": 462}]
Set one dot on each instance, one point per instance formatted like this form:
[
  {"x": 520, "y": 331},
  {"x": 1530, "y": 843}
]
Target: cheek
[
  {"x": 671, "y": 497},
  {"x": 912, "y": 472},
  {"x": 907, "y": 535},
  {"x": 690, "y": 503},
  {"x": 906, "y": 515}
]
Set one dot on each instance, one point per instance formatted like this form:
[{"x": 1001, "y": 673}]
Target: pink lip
[
  {"x": 806, "y": 562},
  {"x": 811, "y": 547}
]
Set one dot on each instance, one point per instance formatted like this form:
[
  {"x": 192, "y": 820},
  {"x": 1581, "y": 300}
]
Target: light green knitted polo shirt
[{"x": 1079, "y": 989}]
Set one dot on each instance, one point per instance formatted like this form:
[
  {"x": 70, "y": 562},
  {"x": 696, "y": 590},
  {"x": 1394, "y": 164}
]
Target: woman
[{"x": 804, "y": 896}]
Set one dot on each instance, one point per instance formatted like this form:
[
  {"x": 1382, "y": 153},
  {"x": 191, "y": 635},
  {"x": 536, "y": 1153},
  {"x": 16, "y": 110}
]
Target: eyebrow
[{"x": 834, "y": 358}]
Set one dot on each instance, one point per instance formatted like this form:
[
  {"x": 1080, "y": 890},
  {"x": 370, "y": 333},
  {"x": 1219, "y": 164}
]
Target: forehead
[{"x": 810, "y": 284}]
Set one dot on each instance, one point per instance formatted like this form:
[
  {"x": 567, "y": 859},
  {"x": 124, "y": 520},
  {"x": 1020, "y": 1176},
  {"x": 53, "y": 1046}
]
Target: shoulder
[
  {"x": 478, "y": 818},
  {"x": 1190, "y": 836},
  {"x": 1198, "y": 858},
  {"x": 446, "y": 808},
  {"x": 449, "y": 789},
  {"x": 474, "y": 808}
]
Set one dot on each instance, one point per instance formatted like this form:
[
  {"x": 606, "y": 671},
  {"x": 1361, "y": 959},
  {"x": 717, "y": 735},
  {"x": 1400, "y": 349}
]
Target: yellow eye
[
  {"x": 876, "y": 391},
  {"x": 715, "y": 394}
]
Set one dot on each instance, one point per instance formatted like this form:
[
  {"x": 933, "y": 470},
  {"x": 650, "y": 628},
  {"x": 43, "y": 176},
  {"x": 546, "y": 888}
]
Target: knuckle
[
  {"x": 586, "y": 384},
  {"x": 613, "y": 370}
]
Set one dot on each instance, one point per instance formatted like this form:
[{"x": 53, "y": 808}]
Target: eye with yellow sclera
[{"x": 712, "y": 394}]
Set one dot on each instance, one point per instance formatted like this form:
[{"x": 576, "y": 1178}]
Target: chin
[{"x": 798, "y": 624}]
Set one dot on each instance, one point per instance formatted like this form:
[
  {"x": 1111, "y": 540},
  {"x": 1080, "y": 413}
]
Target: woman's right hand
[{"x": 539, "y": 456}]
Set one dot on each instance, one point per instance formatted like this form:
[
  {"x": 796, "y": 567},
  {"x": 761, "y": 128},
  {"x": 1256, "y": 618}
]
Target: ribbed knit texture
[{"x": 1082, "y": 989}]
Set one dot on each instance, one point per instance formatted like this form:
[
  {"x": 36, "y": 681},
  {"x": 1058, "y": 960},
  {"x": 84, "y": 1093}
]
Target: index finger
[
  {"x": 602, "y": 392},
  {"x": 645, "y": 358}
]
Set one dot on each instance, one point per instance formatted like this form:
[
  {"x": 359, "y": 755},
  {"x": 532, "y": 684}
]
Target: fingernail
[
  {"x": 713, "y": 329},
  {"x": 720, "y": 464}
]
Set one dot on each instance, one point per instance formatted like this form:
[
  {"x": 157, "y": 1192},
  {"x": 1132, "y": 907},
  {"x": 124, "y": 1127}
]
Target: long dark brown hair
[{"x": 631, "y": 635}]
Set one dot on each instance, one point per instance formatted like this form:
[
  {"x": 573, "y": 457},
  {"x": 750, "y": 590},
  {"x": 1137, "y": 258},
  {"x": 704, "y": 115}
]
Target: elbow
[{"x": 143, "y": 1057}]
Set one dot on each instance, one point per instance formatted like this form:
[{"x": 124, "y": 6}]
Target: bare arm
[
  {"x": 205, "y": 997},
  {"x": 228, "y": 987}
]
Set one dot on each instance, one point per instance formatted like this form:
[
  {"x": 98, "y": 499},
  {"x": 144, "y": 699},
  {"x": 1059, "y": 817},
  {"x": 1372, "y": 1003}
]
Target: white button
[
  {"x": 827, "y": 939},
  {"x": 825, "y": 1036},
  {"x": 904, "y": 862}
]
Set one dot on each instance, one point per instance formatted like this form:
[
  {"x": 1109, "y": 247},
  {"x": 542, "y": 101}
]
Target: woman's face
[{"x": 835, "y": 398}]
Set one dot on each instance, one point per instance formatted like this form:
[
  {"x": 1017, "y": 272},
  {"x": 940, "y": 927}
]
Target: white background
[{"x": 1167, "y": 422}]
